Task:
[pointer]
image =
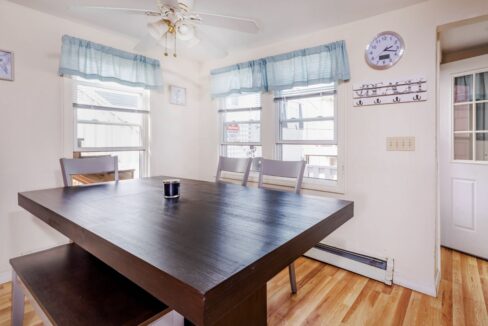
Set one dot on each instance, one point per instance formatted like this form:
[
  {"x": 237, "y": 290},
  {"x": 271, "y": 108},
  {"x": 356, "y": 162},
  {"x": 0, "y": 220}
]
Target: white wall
[
  {"x": 395, "y": 193},
  {"x": 31, "y": 132},
  {"x": 175, "y": 130}
]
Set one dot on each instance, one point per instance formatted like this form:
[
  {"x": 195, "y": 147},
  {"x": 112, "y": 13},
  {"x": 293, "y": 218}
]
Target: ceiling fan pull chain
[
  {"x": 166, "y": 45},
  {"x": 174, "y": 53}
]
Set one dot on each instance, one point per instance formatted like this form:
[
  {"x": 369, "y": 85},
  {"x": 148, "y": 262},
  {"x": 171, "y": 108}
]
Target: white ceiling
[
  {"x": 465, "y": 36},
  {"x": 278, "y": 19}
]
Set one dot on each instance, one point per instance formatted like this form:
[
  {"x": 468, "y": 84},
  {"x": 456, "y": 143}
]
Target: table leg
[
  {"x": 251, "y": 311},
  {"x": 18, "y": 300}
]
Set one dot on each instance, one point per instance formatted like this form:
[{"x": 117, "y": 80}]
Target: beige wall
[
  {"x": 32, "y": 107},
  {"x": 395, "y": 193}
]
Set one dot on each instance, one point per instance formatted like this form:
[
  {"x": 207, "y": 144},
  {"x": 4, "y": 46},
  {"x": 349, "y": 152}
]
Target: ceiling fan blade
[
  {"x": 240, "y": 24},
  {"x": 130, "y": 11}
]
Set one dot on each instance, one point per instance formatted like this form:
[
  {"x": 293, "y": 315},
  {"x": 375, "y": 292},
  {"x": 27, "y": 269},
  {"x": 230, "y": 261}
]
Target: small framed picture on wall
[
  {"x": 177, "y": 95},
  {"x": 6, "y": 65}
]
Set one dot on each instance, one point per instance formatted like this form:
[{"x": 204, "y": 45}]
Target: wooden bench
[{"x": 69, "y": 286}]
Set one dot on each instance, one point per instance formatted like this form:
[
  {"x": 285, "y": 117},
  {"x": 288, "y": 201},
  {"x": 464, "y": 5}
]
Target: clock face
[{"x": 384, "y": 50}]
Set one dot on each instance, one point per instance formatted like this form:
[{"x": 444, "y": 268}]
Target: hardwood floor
[{"x": 330, "y": 296}]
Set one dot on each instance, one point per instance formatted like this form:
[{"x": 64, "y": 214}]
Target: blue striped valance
[
  {"x": 240, "y": 78},
  {"x": 321, "y": 64},
  {"x": 95, "y": 61}
]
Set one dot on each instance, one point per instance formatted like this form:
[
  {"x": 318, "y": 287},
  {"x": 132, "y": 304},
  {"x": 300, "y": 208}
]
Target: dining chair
[
  {"x": 284, "y": 169},
  {"x": 88, "y": 165},
  {"x": 231, "y": 164}
]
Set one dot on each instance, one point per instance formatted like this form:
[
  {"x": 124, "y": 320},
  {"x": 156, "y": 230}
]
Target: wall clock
[{"x": 384, "y": 50}]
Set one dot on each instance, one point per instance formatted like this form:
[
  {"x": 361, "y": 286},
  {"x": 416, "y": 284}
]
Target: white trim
[
  {"x": 384, "y": 276},
  {"x": 437, "y": 280},
  {"x": 5, "y": 276},
  {"x": 423, "y": 288}
]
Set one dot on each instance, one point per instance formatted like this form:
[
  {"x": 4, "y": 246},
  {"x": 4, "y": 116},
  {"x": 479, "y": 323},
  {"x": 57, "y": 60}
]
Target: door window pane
[
  {"x": 481, "y": 82},
  {"x": 463, "y": 146},
  {"x": 462, "y": 117},
  {"x": 481, "y": 116},
  {"x": 463, "y": 89},
  {"x": 321, "y": 159},
  {"x": 482, "y": 146}
]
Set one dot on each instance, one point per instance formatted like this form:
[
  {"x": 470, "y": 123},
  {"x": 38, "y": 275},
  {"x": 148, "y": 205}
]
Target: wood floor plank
[
  {"x": 483, "y": 272},
  {"x": 474, "y": 303},
  {"x": 363, "y": 305},
  {"x": 457, "y": 291},
  {"x": 331, "y": 296}
]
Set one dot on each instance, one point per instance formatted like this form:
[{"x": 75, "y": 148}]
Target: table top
[{"x": 201, "y": 254}]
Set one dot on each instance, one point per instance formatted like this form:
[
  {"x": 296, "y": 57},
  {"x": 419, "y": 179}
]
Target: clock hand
[{"x": 389, "y": 50}]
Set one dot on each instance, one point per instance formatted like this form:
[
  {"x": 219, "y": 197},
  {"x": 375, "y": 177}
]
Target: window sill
[{"x": 328, "y": 186}]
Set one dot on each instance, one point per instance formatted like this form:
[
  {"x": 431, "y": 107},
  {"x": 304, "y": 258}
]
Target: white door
[{"x": 463, "y": 155}]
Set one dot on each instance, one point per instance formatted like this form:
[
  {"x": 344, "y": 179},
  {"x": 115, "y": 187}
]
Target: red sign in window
[{"x": 234, "y": 127}]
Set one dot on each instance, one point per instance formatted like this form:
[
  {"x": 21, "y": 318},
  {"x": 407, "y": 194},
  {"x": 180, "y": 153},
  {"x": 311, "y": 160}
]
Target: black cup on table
[{"x": 171, "y": 188}]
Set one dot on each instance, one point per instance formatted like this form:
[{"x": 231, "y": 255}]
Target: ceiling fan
[{"x": 178, "y": 22}]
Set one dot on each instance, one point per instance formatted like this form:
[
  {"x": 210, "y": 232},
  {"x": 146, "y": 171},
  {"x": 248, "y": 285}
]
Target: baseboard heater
[{"x": 380, "y": 269}]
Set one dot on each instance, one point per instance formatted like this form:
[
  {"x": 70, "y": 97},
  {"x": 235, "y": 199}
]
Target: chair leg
[
  {"x": 293, "y": 281},
  {"x": 17, "y": 301}
]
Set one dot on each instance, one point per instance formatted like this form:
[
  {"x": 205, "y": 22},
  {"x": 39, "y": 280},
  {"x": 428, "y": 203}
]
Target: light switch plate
[{"x": 402, "y": 144}]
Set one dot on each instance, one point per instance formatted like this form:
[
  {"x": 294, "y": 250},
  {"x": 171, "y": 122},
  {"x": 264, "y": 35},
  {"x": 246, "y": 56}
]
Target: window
[
  {"x": 307, "y": 129},
  {"x": 110, "y": 119},
  {"x": 241, "y": 125},
  {"x": 296, "y": 124},
  {"x": 470, "y": 117}
]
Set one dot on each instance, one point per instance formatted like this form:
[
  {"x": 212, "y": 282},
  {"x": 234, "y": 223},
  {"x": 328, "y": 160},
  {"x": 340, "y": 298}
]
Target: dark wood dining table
[{"x": 207, "y": 255}]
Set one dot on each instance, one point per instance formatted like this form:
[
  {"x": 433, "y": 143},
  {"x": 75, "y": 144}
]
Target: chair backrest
[
  {"x": 230, "y": 164},
  {"x": 285, "y": 169},
  {"x": 88, "y": 165},
  {"x": 256, "y": 164}
]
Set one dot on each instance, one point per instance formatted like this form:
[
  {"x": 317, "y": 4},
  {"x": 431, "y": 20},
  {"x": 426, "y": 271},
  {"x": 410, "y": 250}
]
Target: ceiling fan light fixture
[{"x": 185, "y": 32}]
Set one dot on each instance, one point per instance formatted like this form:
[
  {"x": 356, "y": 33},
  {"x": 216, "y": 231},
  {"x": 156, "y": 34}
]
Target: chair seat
[{"x": 72, "y": 287}]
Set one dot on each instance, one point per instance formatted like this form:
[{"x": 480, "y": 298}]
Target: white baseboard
[
  {"x": 5, "y": 277},
  {"x": 360, "y": 268},
  {"x": 423, "y": 288}
]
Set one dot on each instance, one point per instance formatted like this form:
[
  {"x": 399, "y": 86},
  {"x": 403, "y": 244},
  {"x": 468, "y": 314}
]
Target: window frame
[
  {"x": 327, "y": 185},
  {"x": 269, "y": 130},
  {"x": 144, "y": 111},
  {"x": 223, "y": 143},
  {"x": 472, "y": 104}
]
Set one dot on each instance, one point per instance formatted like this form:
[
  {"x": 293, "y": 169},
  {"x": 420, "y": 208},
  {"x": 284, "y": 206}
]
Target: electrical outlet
[{"x": 402, "y": 144}]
